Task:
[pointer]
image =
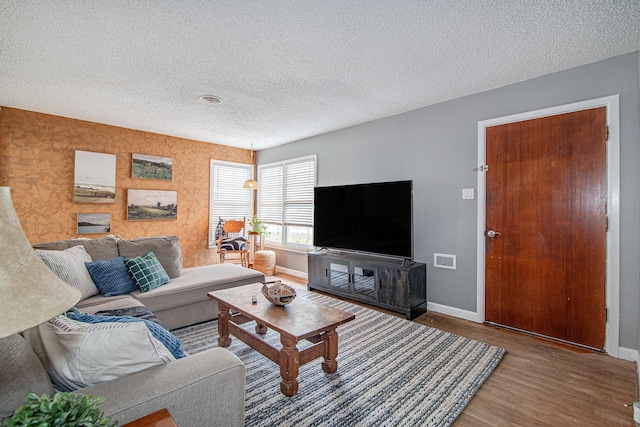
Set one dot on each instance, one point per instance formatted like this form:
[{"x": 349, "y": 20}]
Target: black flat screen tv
[{"x": 375, "y": 218}]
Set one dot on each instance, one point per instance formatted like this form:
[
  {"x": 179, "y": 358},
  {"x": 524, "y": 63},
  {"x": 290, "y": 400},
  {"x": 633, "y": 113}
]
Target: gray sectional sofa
[
  {"x": 205, "y": 389},
  {"x": 181, "y": 302}
]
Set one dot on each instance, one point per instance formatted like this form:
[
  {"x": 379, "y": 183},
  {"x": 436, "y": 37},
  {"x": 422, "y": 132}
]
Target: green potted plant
[
  {"x": 62, "y": 409},
  {"x": 258, "y": 227}
]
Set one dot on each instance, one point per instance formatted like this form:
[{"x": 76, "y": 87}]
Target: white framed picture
[
  {"x": 95, "y": 177},
  {"x": 94, "y": 223},
  {"x": 146, "y": 166},
  {"x": 151, "y": 204}
]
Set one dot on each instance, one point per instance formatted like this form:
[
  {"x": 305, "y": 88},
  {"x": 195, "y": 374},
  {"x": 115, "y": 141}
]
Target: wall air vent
[{"x": 444, "y": 261}]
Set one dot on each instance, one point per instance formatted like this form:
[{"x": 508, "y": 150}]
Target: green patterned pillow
[{"x": 147, "y": 271}]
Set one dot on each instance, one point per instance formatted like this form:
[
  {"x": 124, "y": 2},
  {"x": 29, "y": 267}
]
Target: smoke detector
[{"x": 210, "y": 99}]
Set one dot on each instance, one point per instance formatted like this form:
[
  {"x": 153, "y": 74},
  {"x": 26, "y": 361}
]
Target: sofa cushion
[
  {"x": 147, "y": 271},
  {"x": 111, "y": 277},
  {"x": 78, "y": 354},
  {"x": 69, "y": 266},
  {"x": 58, "y": 245},
  {"x": 173, "y": 344},
  {"x": 193, "y": 285},
  {"x": 104, "y": 248},
  {"x": 20, "y": 373},
  {"x": 166, "y": 248},
  {"x": 100, "y": 302}
]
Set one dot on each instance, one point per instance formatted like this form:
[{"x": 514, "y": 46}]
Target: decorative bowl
[{"x": 279, "y": 293}]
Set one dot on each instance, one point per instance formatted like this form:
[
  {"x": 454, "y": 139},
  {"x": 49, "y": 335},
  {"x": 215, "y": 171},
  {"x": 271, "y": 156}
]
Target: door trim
[{"x": 612, "y": 338}]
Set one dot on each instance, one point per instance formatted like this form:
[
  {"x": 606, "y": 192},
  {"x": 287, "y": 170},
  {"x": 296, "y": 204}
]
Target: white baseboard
[
  {"x": 455, "y": 312},
  {"x": 295, "y": 273},
  {"x": 629, "y": 354}
]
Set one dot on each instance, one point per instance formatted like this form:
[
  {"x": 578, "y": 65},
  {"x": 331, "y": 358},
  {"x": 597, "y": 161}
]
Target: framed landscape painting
[
  {"x": 95, "y": 177},
  {"x": 93, "y": 223},
  {"x": 152, "y": 167},
  {"x": 151, "y": 204}
]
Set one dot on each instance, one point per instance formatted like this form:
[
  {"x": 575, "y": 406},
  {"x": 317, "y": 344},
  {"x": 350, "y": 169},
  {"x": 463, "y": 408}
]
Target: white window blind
[
  {"x": 298, "y": 197},
  {"x": 285, "y": 200},
  {"x": 228, "y": 199},
  {"x": 270, "y": 193}
]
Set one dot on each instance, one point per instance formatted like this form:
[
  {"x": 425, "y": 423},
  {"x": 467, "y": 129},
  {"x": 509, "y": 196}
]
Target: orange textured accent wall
[{"x": 37, "y": 154}]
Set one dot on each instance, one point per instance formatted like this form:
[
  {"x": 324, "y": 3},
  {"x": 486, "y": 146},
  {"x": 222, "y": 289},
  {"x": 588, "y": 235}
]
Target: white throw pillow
[
  {"x": 69, "y": 266},
  {"x": 78, "y": 354}
]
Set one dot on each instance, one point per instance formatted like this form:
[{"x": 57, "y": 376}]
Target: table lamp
[{"x": 30, "y": 293}]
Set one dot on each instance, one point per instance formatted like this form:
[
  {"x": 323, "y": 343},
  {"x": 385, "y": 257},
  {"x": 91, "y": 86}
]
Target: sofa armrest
[{"x": 205, "y": 389}]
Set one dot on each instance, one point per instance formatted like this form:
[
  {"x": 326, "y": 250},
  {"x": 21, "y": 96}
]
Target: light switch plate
[{"x": 468, "y": 194}]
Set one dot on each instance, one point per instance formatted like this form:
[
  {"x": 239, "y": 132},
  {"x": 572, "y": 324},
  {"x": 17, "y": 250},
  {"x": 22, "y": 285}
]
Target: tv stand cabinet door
[
  {"x": 404, "y": 288},
  {"x": 364, "y": 278},
  {"x": 317, "y": 270},
  {"x": 339, "y": 276},
  {"x": 394, "y": 287}
]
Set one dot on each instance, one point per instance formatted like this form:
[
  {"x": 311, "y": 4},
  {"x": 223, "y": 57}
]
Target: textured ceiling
[{"x": 287, "y": 70}]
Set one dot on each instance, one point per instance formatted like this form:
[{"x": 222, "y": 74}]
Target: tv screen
[{"x": 374, "y": 218}]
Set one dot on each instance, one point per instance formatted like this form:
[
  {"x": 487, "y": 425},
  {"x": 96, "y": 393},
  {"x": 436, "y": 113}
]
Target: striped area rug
[{"x": 391, "y": 372}]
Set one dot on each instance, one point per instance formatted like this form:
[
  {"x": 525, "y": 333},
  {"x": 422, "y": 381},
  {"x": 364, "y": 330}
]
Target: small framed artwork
[
  {"x": 95, "y": 177},
  {"x": 152, "y": 167},
  {"x": 93, "y": 223},
  {"x": 151, "y": 204}
]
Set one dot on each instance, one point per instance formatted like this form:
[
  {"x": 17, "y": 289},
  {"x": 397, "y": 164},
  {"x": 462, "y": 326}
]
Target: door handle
[{"x": 492, "y": 233}]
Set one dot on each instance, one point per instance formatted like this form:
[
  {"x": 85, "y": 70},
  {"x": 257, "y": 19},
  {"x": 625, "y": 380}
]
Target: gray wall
[{"x": 436, "y": 147}]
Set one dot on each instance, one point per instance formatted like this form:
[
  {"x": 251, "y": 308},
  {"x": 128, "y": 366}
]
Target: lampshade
[
  {"x": 30, "y": 293},
  {"x": 251, "y": 184}
]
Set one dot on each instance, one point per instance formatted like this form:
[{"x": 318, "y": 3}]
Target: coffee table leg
[
  {"x": 223, "y": 331},
  {"x": 331, "y": 351},
  {"x": 289, "y": 364}
]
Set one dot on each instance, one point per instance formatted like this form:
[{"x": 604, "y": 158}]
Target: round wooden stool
[{"x": 265, "y": 262}]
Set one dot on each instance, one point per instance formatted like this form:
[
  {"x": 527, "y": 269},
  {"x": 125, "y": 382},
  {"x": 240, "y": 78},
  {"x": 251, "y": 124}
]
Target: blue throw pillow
[
  {"x": 173, "y": 344},
  {"x": 111, "y": 277},
  {"x": 147, "y": 271}
]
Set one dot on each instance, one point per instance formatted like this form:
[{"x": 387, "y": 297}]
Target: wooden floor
[{"x": 539, "y": 383}]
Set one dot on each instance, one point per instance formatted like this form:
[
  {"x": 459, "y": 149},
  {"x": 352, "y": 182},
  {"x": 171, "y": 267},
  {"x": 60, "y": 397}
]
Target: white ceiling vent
[{"x": 210, "y": 99}]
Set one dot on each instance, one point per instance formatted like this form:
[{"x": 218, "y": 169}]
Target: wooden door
[{"x": 546, "y": 196}]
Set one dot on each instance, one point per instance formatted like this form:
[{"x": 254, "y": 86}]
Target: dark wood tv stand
[{"x": 390, "y": 283}]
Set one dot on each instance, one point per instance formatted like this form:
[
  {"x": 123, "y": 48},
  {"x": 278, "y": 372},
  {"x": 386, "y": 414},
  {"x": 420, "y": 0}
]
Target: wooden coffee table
[
  {"x": 299, "y": 320},
  {"x": 161, "y": 418}
]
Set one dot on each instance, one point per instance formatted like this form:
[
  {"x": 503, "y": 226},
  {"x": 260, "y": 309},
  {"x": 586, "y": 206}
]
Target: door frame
[{"x": 612, "y": 329}]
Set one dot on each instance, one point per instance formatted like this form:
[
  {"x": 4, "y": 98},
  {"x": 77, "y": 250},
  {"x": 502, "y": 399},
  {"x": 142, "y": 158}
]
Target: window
[
  {"x": 228, "y": 200},
  {"x": 285, "y": 200}
]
